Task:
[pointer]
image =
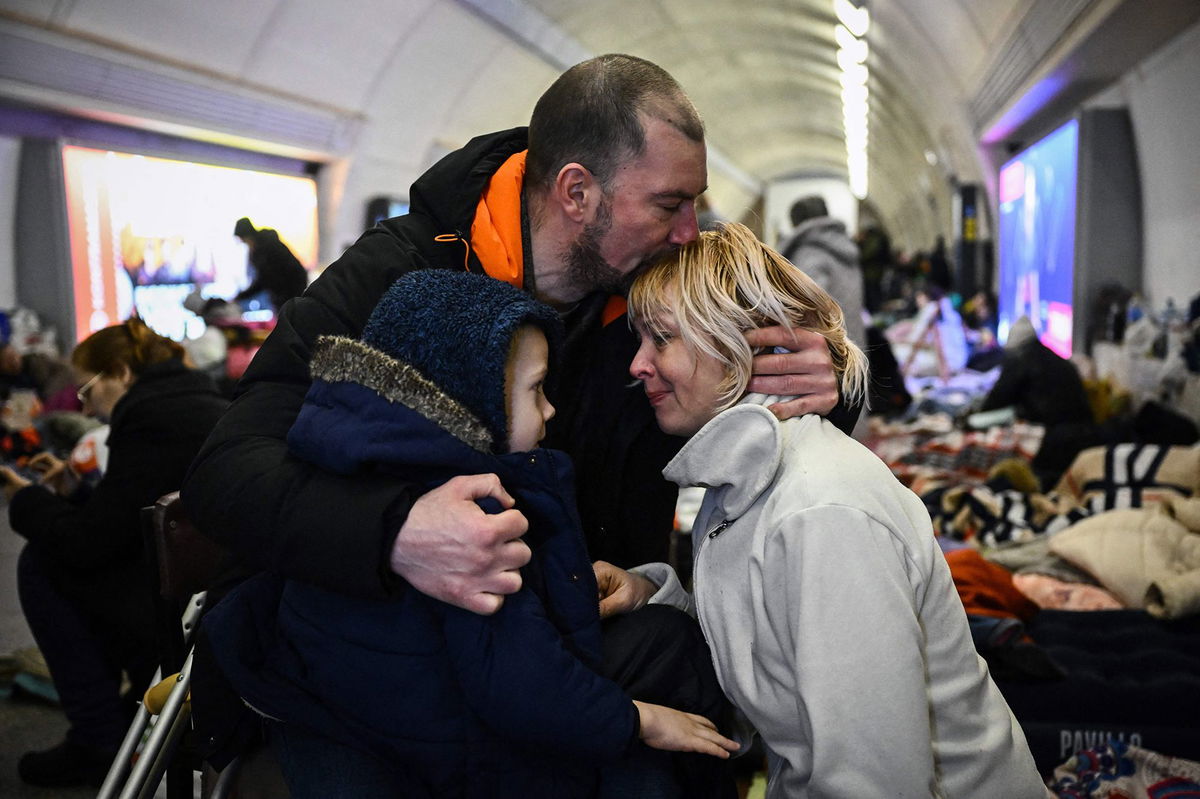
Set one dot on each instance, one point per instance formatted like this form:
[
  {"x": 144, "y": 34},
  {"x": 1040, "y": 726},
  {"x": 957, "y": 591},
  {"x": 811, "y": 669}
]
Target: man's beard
[{"x": 586, "y": 267}]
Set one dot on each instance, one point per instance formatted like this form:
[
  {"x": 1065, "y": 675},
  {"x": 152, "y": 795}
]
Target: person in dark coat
[
  {"x": 1041, "y": 385},
  {"x": 84, "y": 583},
  {"x": 277, "y": 271},
  {"x": 820, "y": 247},
  {"x": 447, "y": 379},
  {"x": 604, "y": 179},
  {"x": 940, "y": 272},
  {"x": 1044, "y": 388}
]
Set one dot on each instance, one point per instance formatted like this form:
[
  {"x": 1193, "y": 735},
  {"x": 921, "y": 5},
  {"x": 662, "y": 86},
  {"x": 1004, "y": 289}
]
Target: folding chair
[{"x": 186, "y": 563}]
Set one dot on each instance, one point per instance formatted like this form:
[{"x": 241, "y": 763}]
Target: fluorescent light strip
[{"x": 854, "y": 78}]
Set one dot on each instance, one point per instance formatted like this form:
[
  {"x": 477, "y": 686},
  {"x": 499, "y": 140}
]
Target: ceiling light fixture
[{"x": 854, "y": 78}]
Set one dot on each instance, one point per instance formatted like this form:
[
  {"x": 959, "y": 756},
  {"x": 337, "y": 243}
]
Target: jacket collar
[
  {"x": 736, "y": 455},
  {"x": 474, "y": 195},
  {"x": 157, "y": 380},
  {"x": 496, "y": 229},
  {"x": 338, "y": 359},
  {"x": 448, "y": 193},
  {"x": 365, "y": 407}
]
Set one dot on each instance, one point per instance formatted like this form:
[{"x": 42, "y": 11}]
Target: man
[
  {"x": 616, "y": 160},
  {"x": 821, "y": 248},
  {"x": 277, "y": 271}
]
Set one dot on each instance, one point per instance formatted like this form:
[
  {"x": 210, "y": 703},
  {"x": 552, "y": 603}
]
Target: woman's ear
[
  {"x": 577, "y": 193},
  {"x": 125, "y": 375}
]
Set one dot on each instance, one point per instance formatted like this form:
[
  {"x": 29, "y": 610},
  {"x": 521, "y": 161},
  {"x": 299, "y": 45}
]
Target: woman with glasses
[{"x": 83, "y": 581}]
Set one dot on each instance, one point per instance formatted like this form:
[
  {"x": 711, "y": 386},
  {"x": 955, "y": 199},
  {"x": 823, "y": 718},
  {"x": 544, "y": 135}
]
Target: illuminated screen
[
  {"x": 145, "y": 232},
  {"x": 1037, "y": 238}
]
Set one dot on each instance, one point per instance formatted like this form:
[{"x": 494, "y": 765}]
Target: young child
[
  {"x": 447, "y": 380},
  {"x": 834, "y": 624}
]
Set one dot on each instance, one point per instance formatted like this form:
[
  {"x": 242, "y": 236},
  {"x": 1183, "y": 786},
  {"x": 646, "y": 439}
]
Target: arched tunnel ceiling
[
  {"x": 765, "y": 76},
  {"x": 381, "y": 86}
]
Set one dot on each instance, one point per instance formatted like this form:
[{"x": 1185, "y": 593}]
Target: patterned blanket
[
  {"x": 930, "y": 451},
  {"x": 1119, "y": 771},
  {"x": 972, "y": 491}
]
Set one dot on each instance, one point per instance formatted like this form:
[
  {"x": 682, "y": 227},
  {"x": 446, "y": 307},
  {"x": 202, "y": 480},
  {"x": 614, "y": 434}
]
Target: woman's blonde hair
[
  {"x": 727, "y": 282},
  {"x": 130, "y": 343}
]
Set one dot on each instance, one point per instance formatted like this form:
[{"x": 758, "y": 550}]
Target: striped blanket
[{"x": 1100, "y": 479}]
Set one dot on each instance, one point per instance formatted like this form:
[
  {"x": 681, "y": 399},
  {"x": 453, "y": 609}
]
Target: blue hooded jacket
[{"x": 463, "y": 705}]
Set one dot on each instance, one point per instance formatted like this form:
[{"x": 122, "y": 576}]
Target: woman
[
  {"x": 833, "y": 621},
  {"x": 83, "y": 581}
]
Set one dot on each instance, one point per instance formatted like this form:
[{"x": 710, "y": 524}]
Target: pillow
[{"x": 1127, "y": 550}]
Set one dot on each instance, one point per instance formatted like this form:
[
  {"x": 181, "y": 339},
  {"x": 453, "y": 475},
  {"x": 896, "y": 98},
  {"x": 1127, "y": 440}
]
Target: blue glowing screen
[{"x": 1037, "y": 238}]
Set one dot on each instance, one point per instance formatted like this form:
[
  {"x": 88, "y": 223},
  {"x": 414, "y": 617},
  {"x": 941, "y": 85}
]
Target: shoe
[
  {"x": 69, "y": 763},
  {"x": 31, "y": 661},
  {"x": 37, "y": 687}
]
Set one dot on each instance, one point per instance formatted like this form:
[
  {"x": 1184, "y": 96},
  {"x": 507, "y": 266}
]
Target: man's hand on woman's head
[
  {"x": 621, "y": 591},
  {"x": 805, "y": 372},
  {"x": 450, "y": 549}
]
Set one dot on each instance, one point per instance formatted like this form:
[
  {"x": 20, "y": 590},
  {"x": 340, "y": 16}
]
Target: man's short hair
[
  {"x": 590, "y": 115},
  {"x": 809, "y": 207}
]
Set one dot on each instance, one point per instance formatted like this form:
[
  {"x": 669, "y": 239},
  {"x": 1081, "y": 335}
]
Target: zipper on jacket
[{"x": 720, "y": 528}]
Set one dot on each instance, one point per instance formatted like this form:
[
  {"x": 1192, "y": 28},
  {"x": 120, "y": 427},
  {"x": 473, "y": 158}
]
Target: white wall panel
[
  {"x": 417, "y": 98},
  {"x": 34, "y": 10},
  {"x": 333, "y": 52},
  {"x": 1165, "y": 105},
  {"x": 216, "y": 34},
  {"x": 515, "y": 81}
]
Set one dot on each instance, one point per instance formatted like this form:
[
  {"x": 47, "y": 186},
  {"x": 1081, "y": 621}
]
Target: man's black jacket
[{"x": 337, "y": 532}]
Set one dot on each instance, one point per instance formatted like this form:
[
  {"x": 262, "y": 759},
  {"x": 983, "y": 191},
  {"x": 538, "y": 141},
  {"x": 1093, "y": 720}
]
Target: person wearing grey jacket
[
  {"x": 832, "y": 618},
  {"x": 821, "y": 247}
]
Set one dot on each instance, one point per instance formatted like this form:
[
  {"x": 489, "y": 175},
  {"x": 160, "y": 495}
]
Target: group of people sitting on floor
[{"x": 459, "y": 507}]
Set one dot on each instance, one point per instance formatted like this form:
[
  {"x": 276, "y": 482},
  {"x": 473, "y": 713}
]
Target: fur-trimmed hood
[
  {"x": 366, "y": 408},
  {"x": 337, "y": 359},
  {"x": 455, "y": 330}
]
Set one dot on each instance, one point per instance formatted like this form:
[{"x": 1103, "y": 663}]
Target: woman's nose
[{"x": 640, "y": 368}]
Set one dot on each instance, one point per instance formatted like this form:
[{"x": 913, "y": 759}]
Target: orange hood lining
[{"x": 496, "y": 231}]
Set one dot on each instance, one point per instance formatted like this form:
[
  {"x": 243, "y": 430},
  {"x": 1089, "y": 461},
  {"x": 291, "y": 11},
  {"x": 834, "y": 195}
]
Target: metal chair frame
[{"x": 185, "y": 563}]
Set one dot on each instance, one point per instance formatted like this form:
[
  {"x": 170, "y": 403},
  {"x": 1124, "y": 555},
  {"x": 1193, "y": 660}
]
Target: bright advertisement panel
[
  {"x": 1037, "y": 238},
  {"x": 145, "y": 232}
]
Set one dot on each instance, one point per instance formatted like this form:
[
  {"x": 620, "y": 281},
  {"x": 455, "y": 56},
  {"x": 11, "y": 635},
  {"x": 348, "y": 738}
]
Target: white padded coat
[{"x": 833, "y": 620}]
